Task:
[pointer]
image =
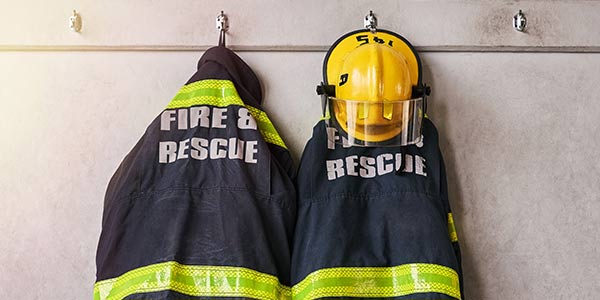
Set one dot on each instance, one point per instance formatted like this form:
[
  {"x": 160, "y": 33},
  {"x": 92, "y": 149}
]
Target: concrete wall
[{"x": 519, "y": 130}]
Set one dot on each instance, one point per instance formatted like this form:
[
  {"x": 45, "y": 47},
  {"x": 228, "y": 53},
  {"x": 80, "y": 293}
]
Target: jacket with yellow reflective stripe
[
  {"x": 204, "y": 205},
  {"x": 374, "y": 222}
]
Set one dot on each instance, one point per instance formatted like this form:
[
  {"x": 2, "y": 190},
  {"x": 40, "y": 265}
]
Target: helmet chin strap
[{"x": 399, "y": 172}]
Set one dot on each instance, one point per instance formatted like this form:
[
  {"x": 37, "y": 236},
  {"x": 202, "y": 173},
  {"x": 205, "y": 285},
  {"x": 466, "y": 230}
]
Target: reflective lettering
[
  {"x": 382, "y": 166},
  {"x": 370, "y": 167},
  {"x": 245, "y": 120},
  {"x": 236, "y": 149},
  {"x": 367, "y": 165},
  {"x": 351, "y": 164},
  {"x": 408, "y": 163},
  {"x": 398, "y": 161},
  {"x": 199, "y": 146},
  {"x": 165, "y": 120},
  {"x": 206, "y": 117},
  {"x": 218, "y": 115},
  {"x": 182, "y": 119},
  {"x": 215, "y": 151},
  {"x": 250, "y": 151},
  {"x": 199, "y": 116},
  {"x": 335, "y": 169},
  {"x": 345, "y": 143},
  {"x": 183, "y": 145},
  {"x": 167, "y": 152},
  {"x": 420, "y": 165},
  {"x": 332, "y": 137}
]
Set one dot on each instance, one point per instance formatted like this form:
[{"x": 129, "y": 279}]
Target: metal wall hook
[
  {"x": 75, "y": 22},
  {"x": 222, "y": 27},
  {"x": 520, "y": 21},
  {"x": 222, "y": 22},
  {"x": 371, "y": 22}
]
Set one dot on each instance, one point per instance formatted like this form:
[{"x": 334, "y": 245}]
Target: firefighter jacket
[
  {"x": 204, "y": 204},
  {"x": 374, "y": 222}
]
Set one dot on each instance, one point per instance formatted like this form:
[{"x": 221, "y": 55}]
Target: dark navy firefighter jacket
[
  {"x": 204, "y": 205},
  {"x": 374, "y": 222}
]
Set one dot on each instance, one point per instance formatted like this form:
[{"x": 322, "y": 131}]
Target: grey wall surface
[{"x": 519, "y": 130}]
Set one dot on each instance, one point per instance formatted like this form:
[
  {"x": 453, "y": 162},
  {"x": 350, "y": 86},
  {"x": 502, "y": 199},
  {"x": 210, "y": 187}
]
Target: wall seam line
[{"x": 287, "y": 48}]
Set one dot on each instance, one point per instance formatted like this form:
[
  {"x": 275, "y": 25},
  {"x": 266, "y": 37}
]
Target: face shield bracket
[
  {"x": 325, "y": 91},
  {"x": 422, "y": 90}
]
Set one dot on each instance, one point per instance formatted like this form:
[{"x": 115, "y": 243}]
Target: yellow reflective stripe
[
  {"x": 452, "y": 228},
  {"x": 223, "y": 281},
  {"x": 378, "y": 282},
  {"x": 265, "y": 126},
  {"x": 202, "y": 281},
  {"x": 222, "y": 93},
  {"x": 212, "y": 92}
]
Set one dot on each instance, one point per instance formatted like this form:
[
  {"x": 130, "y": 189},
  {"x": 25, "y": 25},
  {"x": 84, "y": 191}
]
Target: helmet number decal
[
  {"x": 365, "y": 40},
  {"x": 343, "y": 79},
  {"x": 362, "y": 38}
]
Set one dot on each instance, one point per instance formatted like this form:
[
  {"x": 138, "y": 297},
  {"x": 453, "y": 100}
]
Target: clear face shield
[{"x": 376, "y": 123}]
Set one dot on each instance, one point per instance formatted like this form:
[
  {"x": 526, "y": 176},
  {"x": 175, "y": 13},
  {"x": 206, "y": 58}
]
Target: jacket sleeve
[{"x": 451, "y": 227}]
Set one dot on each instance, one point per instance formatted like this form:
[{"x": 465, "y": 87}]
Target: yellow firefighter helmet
[{"x": 374, "y": 102}]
